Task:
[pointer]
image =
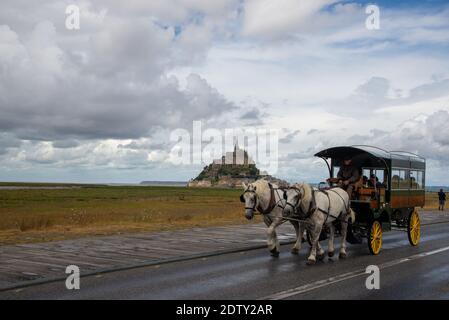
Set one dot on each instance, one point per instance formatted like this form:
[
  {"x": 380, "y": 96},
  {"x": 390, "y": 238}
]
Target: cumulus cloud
[
  {"x": 101, "y": 96},
  {"x": 7, "y": 142},
  {"x": 63, "y": 144},
  {"x": 426, "y": 135},
  {"x": 107, "y": 96},
  {"x": 312, "y": 131},
  {"x": 378, "y": 93},
  {"x": 275, "y": 19},
  {"x": 289, "y": 137},
  {"x": 253, "y": 116},
  {"x": 119, "y": 90}
]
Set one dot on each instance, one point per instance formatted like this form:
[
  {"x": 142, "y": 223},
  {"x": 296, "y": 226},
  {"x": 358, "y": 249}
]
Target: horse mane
[
  {"x": 263, "y": 191},
  {"x": 263, "y": 185},
  {"x": 306, "y": 197}
]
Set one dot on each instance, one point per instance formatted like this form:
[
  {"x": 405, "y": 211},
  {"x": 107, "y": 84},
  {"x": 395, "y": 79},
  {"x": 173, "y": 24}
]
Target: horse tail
[{"x": 352, "y": 215}]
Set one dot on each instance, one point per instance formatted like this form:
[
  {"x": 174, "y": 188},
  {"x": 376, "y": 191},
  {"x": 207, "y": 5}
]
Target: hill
[{"x": 231, "y": 171}]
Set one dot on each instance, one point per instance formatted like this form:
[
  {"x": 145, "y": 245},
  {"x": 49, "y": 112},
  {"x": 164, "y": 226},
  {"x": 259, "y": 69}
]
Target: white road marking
[{"x": 346, "y": 276}]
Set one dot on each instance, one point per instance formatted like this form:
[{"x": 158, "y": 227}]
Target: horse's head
[
  {"x": 292, "y": 197},
  {"x": 249, "y": 198}
]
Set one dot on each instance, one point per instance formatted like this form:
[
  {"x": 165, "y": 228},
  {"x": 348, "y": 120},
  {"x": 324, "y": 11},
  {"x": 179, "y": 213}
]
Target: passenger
[
  {"x": 413, "y": 183},
  {"x": 373, "y": 182},
  {"x": 348, "y": 176},
  {"x": 365, "y": 181},
  {"x": 395, "y": 181}
]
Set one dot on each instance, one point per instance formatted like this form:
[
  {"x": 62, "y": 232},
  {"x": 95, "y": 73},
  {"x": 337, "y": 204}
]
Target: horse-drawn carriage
[
  {"x": 369, "y": 206},
  {"x": 389, "y": 201}
]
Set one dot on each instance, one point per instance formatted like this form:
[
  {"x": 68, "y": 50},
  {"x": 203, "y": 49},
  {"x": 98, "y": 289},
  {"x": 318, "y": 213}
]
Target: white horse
[
  {"x": 269, "y": 200},
  {"x": 319, "y": 208}
]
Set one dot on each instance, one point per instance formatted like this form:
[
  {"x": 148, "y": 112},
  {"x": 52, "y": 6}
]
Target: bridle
[
  {"x": 271, "y": 205},
  {"x": 294, "y": 206},
  {"x": 242, "y": 199}
]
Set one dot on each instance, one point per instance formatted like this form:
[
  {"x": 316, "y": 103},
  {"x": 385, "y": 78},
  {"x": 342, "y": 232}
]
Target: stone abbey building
[
  {"x": 235, "y": 158},
  {"x": 230, "y": 171}
]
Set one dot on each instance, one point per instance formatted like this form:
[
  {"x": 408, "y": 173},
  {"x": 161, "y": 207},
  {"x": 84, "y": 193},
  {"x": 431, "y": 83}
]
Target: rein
[
  {"x": 271, "y": 204},
  {"x": 312, "y": 205}
]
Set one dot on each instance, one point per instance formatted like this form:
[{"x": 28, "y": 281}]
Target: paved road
[
  {"x": 35, "y": 262},
  {"x": 23, "y": 264},
  {"x": 405, "y": 273}
]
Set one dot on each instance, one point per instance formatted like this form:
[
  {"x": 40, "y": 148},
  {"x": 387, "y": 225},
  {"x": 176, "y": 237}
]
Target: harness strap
[
  {"x": 328, "y": 207},
  {"x": 327, "y": 213},
  {"x": 278, "y": 203},
  {"x": 303, "y": 216},
  {"x": 312, "y": 207},
  {"x": 271, "y": 204},
  {"x": 347, "y": 205}
]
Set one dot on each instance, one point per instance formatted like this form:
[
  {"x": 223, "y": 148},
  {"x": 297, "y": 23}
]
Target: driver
[{"x": 348, "y": 175}]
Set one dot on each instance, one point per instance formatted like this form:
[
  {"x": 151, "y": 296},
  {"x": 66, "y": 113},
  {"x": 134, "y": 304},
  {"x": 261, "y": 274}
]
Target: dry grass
[
  {"x": 36, "y": 215},
  {"x": 44, "y": 215},
  {"x": 431, "y": 201}
]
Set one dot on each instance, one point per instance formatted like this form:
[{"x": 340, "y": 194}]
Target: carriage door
[{"x": 383, "y": 184}]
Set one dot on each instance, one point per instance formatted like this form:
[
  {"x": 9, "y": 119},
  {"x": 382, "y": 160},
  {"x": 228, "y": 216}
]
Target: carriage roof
[{"x": 370, "y": 156}]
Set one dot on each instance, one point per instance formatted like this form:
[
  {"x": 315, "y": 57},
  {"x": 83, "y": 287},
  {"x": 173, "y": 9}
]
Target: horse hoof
[
  {"x": 310, "y": 262},
  {"x": 294, "y": 251},
  {"x": 320, "y": 257},
  {"x": 274, "y": 253},
  {"x": 342, "y": 255},
  {"x": 330, "y": 254}
]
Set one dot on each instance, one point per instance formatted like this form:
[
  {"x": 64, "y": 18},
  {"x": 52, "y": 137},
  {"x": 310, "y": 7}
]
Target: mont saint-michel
[{"x": 230, "y": 171}]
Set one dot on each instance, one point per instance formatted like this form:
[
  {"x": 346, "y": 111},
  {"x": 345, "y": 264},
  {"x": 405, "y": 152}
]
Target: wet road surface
[{"x": 406, "y": 272}]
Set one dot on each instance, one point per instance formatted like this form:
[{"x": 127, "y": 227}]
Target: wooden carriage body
[{"x": 392, "y": 200}]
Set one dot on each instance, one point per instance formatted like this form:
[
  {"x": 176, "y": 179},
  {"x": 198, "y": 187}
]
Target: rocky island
[{"x": 230, "y": 171}]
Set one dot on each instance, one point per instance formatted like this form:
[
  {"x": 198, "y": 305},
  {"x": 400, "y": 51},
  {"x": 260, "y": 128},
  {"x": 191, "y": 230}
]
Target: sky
[{"x": 100, "y": 103}]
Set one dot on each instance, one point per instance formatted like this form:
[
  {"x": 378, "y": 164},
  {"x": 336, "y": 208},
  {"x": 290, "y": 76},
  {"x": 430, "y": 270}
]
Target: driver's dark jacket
[{"x": 350, "y": 173}]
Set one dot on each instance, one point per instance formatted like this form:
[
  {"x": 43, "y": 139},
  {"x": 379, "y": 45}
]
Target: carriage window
[
  {"x": 336, "y": 169},
  {"x": 400, "y": 179},
  {"x": 366, "y": 174},
  {"x": 416, "y": 179},
  {"x": 421, "y": 179},
  {"x": 395, "y": 179},
  {"x": 404, "y": 179},
  {"x": 380, "y": 177},
  {"x": 380, "y": 174}
]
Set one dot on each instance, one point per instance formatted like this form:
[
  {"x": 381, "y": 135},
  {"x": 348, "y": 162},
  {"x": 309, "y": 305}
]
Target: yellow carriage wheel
[
  {"x": 414, "y": 228},
  {"x": 375, "y": 238}
]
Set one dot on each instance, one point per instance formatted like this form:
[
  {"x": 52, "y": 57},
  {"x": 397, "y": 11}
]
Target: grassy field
[
  {"x": 36, "y": 215},
  {"x": 42, "y": 215},
  {"x": 431, "y": 200}
]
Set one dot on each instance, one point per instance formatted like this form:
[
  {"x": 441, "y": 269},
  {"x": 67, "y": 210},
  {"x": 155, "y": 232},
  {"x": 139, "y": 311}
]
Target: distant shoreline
[
  {"x": 165, "y": 183},
  {"x": 68, "y": 185}
]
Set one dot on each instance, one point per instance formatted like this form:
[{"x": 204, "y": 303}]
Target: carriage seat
[{"x": 372, "y": 195}]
